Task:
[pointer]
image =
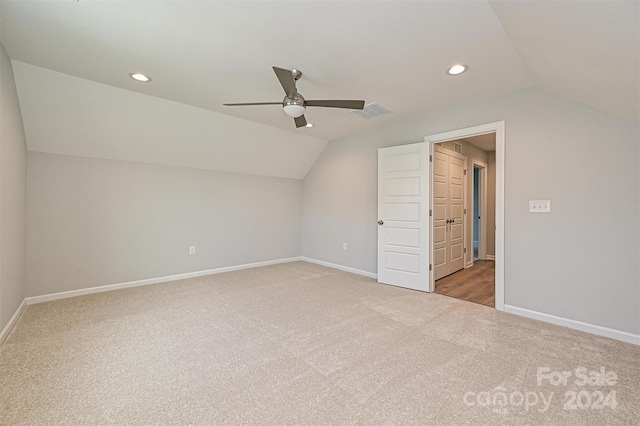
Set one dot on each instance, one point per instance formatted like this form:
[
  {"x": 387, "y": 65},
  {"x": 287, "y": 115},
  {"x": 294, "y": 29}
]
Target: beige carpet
[{"x": 300, "y": 344}]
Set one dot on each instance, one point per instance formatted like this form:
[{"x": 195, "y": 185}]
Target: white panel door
[
  {"x": 456, "y": 214},
  {"x": 403, "y": 216},
  {"x": 448, "y": 212},
  {"x": 440, "y": 214}
]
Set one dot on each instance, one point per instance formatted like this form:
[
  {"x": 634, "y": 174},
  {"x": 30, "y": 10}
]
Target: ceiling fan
[{"x": 294, "y": 104}]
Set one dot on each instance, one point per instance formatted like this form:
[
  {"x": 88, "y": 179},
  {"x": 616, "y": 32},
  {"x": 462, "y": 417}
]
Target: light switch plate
[{"x": 540, "y": 206}]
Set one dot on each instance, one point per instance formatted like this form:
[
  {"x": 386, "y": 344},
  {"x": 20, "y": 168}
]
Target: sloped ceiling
[
  {"x": 202, "y": 54},
  {"x": 588, "y": 51},
  {"x": 68, "y": 115}
]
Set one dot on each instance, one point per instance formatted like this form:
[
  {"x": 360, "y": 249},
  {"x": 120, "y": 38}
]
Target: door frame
[
  {"x": 498, "y": 128},
  {"x": 482, "y": 201}
]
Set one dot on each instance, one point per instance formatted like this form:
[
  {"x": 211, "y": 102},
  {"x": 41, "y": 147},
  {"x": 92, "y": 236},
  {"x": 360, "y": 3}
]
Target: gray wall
[
  {"x": 93, "y": 222},
  {"x": 13, "y": 178},
  {"x": 580, "y": 262}
]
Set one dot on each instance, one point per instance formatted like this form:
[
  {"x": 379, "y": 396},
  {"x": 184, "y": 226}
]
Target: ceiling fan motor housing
[{"x": 293, "y": 107}]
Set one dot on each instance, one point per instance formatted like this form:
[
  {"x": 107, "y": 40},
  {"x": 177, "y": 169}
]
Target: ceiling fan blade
[
  {"x": 287, "y": 81},
  {"x": 255, "y": 103},
  {"x": 300, "y": 121},
  {"x": 336, "y": 104}
]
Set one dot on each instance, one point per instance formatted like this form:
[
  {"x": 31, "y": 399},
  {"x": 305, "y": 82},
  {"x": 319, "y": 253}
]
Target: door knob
[
  {"x": 453, "y": 220},
  {"x": 380, "y": 222}
]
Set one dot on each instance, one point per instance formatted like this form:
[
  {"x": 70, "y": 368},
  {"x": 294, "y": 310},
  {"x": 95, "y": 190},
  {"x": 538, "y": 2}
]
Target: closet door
[{"x": 448, "y": 211}]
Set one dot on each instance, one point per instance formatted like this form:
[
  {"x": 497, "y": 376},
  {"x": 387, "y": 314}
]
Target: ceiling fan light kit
[{"x": 294, "y": 105}]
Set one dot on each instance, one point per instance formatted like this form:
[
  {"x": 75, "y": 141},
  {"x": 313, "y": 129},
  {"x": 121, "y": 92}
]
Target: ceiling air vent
[{"x": 372, "y": 110}]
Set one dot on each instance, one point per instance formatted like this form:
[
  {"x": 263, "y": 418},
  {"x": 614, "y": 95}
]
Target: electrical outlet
[
  {"x": 344, "y": 246},
  {"x": 540, "y": 206},
  {"x": 192, "y": 250}
]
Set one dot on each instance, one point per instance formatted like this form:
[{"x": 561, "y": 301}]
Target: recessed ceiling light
[
  {"x": 457, "y": 69},
  {"x": 140, "y": 77},
  {"x": 309, "y": 125}
]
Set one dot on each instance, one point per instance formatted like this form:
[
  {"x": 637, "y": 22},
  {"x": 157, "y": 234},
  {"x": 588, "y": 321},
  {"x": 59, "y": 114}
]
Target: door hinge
[
  {"x": 465, "y": 172},
  {"x": 465, "y": 211},
  {"x": 430, "y": 212},
  {"x": 430, "y": 158},
  {"x": 465, "y": 249},
  {"x": 430, "y": 266}
]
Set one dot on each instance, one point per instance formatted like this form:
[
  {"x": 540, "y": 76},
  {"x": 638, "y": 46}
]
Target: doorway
[
  {"x": 477, "y": 171},
  {"x": 405, "y": 220},
  {"x": 460, "y": 222},
  {"x": 479, "y": 217},
  {"x": 490, "y": 172}
]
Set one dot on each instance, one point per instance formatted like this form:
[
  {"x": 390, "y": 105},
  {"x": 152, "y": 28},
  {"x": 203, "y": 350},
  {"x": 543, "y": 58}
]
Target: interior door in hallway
[{"x": 448, "y": 211}]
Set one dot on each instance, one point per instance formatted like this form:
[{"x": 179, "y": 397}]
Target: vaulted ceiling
[{"x": 202, "y": 54}]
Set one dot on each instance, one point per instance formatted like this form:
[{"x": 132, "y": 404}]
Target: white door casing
[
  {"x": 448, "y": 211},
  {"x": 403, "y": 215}
]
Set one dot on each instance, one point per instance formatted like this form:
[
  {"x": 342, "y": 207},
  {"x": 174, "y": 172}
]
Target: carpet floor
[{"x": 302, "y": 344}]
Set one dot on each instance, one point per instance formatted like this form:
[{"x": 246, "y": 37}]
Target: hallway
[{"x": 475, "y": 284}]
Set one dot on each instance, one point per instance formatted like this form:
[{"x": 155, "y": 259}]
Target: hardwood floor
[{"x": 475, "y": 284}]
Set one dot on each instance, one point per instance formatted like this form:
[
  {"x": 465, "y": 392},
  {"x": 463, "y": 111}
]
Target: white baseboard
[
  {"x": 7, "y": 328},
  {"x": 576, "y": 325},
  {"x": 111, "y": 287},
  {"x": 490, "y": 257},
  {"x": 340, "y": 267}
]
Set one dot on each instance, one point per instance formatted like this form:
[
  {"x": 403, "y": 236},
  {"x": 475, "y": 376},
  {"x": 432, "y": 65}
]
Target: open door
[{"x": 403, "y": 216}]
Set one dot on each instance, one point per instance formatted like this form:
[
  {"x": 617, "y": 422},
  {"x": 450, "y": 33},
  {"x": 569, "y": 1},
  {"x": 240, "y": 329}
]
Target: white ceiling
[
  {"x": 484, "y": 142},
  {"x": 395, "y": 53},
  {"x": 588, "y": 51},
  {"x": 68, "y": 115},
  {"x": 206, "y": 53}
]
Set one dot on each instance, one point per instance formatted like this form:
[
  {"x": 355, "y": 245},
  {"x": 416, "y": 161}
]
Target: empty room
[{"x": 319, "y": 212}]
